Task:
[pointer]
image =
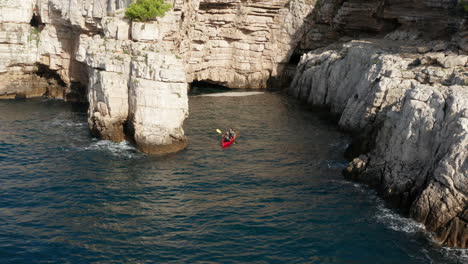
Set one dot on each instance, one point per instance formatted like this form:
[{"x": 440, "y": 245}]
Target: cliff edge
[{"x": 402, "y": 88}]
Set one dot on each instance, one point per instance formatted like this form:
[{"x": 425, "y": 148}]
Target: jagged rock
[
  {"x": 356, "y": 167},
  {"x": 418, "y": 158}
]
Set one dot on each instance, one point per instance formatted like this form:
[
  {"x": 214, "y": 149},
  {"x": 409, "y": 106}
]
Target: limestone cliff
[
  {"x": 401, "y": 84},
  {"x": 135, "y": 75},
  {"x": 403, "y": 91},
  {"x": 241, "y": 44}
]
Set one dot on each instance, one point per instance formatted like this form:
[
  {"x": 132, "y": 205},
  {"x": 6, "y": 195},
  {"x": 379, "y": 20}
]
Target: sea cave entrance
[{"x": 204, "y": 87}]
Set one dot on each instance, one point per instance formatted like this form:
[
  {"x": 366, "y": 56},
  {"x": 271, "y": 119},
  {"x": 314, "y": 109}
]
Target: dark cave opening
[
  {"x": 205, "y": 87},
  {"x": 295, "y": 58},
  {"x": 45, "y": 72},
  {"x": 78, "y": 93}
]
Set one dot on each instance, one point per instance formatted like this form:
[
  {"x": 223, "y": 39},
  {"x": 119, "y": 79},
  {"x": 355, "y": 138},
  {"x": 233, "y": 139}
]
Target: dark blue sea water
[{"x": 275, "y": 197}]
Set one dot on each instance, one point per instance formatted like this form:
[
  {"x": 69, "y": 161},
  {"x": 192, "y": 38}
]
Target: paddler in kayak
[
  {"x": 227, "y": 137},
  {"x": 231, "y": 133}
]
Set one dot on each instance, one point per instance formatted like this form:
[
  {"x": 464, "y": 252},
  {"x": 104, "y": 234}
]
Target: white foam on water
[
  {"x": 396, "y": 222},
  {"x": 458, "y": 254},
  {"x": 57, "y": 122},
  {"x": 232, "y": 94},
  {"x": 122, "y": 149}
]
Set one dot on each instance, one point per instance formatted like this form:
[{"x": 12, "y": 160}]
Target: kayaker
[
  {"x": 231, "y": 133},
  {"x": 227, "y": 137}
]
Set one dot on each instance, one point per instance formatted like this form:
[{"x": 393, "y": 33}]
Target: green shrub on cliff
[
  {"x": 145, "y": 10},
  {"x": 464, "y": 4}
]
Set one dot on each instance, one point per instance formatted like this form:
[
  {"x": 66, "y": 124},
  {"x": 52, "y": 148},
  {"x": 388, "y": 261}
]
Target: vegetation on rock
[
  {"x": 464, "y": 5},
  {"x": 145, "y": 10}
]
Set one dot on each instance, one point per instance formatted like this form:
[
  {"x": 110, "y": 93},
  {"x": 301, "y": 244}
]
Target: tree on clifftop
[{"x": 145, "y": 10}]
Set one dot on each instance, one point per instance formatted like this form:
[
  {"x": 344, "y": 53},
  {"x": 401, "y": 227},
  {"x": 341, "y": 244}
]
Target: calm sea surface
[{"x": 275, "y": 197}]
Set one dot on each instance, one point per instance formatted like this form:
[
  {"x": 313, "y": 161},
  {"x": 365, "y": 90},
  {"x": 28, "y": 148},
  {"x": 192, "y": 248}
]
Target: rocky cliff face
[
  {"x": 404, "y": 93},
  {"x": 136, "y": 75},
  {"x": 401, "y": 85},
  {"x": 137, "y": 85},
  {"x": 242, "y": 44}
]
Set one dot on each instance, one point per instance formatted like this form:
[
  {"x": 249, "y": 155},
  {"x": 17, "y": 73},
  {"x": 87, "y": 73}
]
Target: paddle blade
[{"x": 219, "y": 131}]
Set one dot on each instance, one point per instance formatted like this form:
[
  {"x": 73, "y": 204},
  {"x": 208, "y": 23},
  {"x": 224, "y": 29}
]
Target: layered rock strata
[
  {"x": 410, "y": 105},
  {"x": 137, "y": 74},
  {"x": 241, "y": 44},
  {"x": 137, "y": 85},
  {"x": 18, "y": 51},
  {"x": 424, "y": 19}
]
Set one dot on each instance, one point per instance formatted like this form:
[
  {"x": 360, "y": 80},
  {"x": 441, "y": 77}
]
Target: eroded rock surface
[{"x": 412, "y": 107}]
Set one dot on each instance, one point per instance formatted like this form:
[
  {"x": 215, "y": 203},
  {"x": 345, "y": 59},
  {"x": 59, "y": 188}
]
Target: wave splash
[
  {"x": 457, "y": 254},
  {"x": 122, "y": 149},
  {"x": 396, "y": 222}
]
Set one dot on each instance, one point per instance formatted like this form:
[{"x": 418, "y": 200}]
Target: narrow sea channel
[{"x": 277, "y": 196}]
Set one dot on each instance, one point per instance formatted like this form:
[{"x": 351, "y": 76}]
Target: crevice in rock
[
  {"x": 36, "y": 22},
  {"x": 295, "y": 58},
  {"x": 45, "y": 72}
]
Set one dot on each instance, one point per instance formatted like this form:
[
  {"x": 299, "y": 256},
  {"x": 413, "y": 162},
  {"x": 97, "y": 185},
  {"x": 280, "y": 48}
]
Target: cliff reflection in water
[{"x": 275, "y": 197}]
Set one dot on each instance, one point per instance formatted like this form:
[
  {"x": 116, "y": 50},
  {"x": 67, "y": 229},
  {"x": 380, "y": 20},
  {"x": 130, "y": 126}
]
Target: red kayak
[{"x": 226, "y": 144}]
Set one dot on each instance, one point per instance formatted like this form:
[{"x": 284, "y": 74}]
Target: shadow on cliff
[
  {"x": 70, "y": 75},
  {"x": 287, "y": 68}
]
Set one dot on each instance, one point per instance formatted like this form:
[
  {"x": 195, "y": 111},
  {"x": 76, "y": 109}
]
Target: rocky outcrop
[
  {"x": 409, "y": 104},
  {"x": 137, "y": 85},
  {"x": 402, "y": 90}
]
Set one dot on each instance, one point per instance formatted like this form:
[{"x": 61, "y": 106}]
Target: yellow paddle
[{"x": 219, "y": 131}]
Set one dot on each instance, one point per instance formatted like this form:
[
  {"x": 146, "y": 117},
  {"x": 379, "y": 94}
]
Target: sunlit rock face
[
  {"x": 18, "y": 50},
  {"x": 135, "y": 75},
  {"x": 137, "y": 85},
  {"x": 133, "y": 80}
]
